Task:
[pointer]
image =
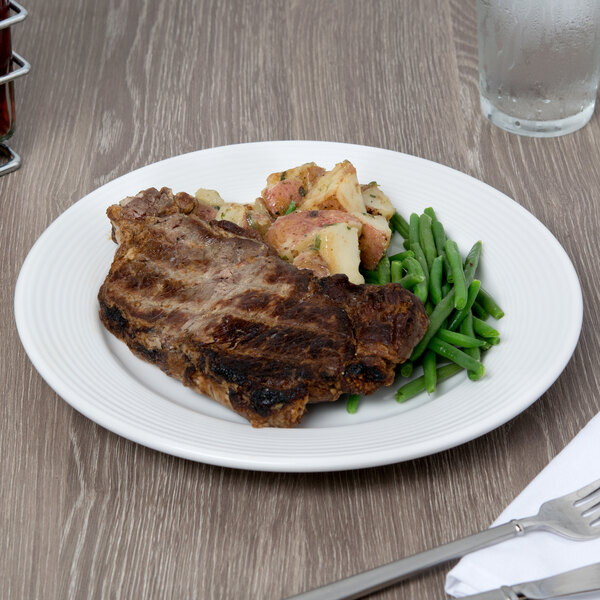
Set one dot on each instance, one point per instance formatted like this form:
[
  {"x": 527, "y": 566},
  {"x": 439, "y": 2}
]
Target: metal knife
[{"x": 578, "y": 581}]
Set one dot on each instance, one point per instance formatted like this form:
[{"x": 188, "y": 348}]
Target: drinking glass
[{"x": 539, "y": 64}]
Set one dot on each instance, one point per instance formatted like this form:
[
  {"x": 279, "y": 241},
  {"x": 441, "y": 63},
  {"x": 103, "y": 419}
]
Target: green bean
[
  {"x": 479, "y": 311},
  {"x": 395, "y": 271},
  {"x": 485, "y": 330},
  {"x": 420, "y": 256},
  {"x": 406, "y": 370},
  {"x": 459, "y": 339},
  {"x": 474, "y": 288},
  {"x": 489, "y": 304},
  {"x": 435, "y": 279},
  {"x": 407, "y": 281},
  {"x": 352, "y": 403},
  {"x": 416, "y": 386},
  {"x": 466, "y": 328},
  {"x": 383, "y": 271},
  {"x": 446, "y": 287},
  {"x": 381, "y": 275},
  {"x": 398, "y": 223},
  {"x": 429, "y": 371},
  {"x": 411, "y": 280},
  {"x": 413, "y": 230},
  {"x": 370, "y": 276},
  {"x": 402, "y": 255},
  {"x": 439, "y": 236},
  {"x": 420, "y": 291},
  {"x": 426, "y": 239},
  {"x": 455, "y": 355},
  {"x": 472, "y": 261},
  {"x": 413, "y": 266},
  {"x": 458, "y": 275},
  {"x": 430, "y": 213},
  {"x": 446, "y": 305},
  {"x": 437, "y": 318}
]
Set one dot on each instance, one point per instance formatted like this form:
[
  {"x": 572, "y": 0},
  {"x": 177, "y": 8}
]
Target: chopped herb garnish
[
  {"x": 282, "y": 176},
  {"x": 291, "y": 208},
  {"x": 373, "y": 195},
  {"x": 352, "y": 404},
  {"x": 317, "y": 244}
]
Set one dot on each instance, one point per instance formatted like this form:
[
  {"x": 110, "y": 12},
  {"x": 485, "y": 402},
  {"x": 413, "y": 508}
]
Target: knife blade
[{"x": 577, "y": 581}]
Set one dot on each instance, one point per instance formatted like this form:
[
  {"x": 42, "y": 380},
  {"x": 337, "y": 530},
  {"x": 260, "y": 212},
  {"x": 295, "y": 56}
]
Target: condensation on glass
[{"x": 539, "y": 64}]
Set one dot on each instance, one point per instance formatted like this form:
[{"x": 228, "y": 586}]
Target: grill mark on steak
[{"x": 212, "y": 305}]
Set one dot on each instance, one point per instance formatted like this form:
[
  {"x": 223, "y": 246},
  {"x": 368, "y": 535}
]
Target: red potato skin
[
  {"x": 307, "y": 175},
  {"x": 290, "y": 230},
  {"x": 280, "y": 195},
  {"x": 373, "y": 244}
]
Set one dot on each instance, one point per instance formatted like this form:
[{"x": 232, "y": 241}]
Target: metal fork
[{"x": 575, "y": 516}]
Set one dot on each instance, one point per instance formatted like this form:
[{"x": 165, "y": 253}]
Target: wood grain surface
[{"x": 120, "y": 84}]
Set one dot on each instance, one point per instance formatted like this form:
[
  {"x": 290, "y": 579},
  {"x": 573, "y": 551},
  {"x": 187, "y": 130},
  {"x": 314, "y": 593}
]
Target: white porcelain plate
[{"x": 57, "y": 317}]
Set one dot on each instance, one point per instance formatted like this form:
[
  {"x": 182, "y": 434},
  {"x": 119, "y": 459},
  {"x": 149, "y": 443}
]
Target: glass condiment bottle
[{"x": 7, "y": 97}]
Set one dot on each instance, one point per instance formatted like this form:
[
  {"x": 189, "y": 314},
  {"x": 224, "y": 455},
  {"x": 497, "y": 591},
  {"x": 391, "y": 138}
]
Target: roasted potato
[
  {"x": 324, "y": 220},
  {"x": 332, "y": 234},
  {"x": 209, "y": 197},
  {"x": 374, "y": 239},
  {"x": 307, "y": 174},
  {"x": 286, "y": 190},
  {"x": 338, "y": 246},
  {"x": 312, "y": 260},
  {"x": 258, "y": 220},
  {"x": 337, "y": 189},
  {"x": 376, "y": 202},
  {"x": 236, "y": 213},
  {"x": 292, "y": 234},
  {"x": 282, "y": 195}
]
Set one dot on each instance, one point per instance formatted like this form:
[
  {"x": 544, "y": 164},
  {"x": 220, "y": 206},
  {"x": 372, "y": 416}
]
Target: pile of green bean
[{"x": 458, "y": 307}]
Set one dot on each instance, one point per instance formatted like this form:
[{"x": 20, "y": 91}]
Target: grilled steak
[{"x": 214, "y": 306}]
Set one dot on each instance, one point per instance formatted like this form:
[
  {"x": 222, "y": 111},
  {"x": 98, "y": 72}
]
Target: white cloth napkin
[{"x": 536, "y": 554}]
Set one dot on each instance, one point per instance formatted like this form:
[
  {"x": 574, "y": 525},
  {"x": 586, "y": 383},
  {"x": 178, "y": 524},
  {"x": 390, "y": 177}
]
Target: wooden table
[{"x": 118, "y": 85}]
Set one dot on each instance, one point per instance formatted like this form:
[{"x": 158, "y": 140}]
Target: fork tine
[
  {"x": 592, "y": 511},
  {"x": 585, "y": 493}
]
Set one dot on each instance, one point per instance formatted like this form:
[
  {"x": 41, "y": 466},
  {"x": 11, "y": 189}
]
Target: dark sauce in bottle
[{"x": 7, "y": 98}]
